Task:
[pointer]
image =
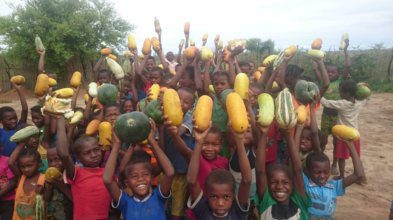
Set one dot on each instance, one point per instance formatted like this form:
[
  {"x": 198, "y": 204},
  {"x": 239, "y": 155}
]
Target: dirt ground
[{"x": 371, "y": 201}]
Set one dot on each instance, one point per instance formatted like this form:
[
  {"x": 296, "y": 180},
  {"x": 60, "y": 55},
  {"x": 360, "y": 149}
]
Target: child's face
[
  {"x": 28, "y": 165},
  {"x": 186, "y": 81},
  {"x": 127, "y": 107},
  {"x": 220, "y": 84},
  {"x": 291, "y": 81},
  {"x": 111, "y": 114},
  {"x": 248, "y": 138},
  {"x": 319, "y": 172},
  {"x": 254, "y": 92},
  {"x": 245, "y": 69},
  {"x": 90, "y": 154},
  {"x": 103, "y": 78},
  {"x": 211, "y": 146},
  {"x": 139, "y": 179},
  {"x": 280, "y": 186},
  {"x": 9, "y": 120},
  {"x": 186, "y": 100},
  {"x": 220, "y": 198},
  {"x": 54, "y": 159},
  {"x": 155, "y": 77},
  {"x": 149, "y": 64},
  {"x": 37, "y": 119},
  {"x": 332, "y": 72},
  {"x": 33, "y": 141},
  {"x": 305, "y": 141}
]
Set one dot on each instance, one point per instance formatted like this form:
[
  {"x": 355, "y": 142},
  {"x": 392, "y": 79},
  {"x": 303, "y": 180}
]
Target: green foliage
[{"x": 68, "y": 28}]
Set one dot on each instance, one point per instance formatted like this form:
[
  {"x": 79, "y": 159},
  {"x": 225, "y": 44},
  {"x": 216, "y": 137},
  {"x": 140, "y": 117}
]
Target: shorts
[
  {"x": 342, "y": 151},
  {"x": 327, "y": 123},
  {"x": 179, "y": 191}
]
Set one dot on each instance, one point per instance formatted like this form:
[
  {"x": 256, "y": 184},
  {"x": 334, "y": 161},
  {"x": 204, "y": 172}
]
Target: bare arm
[
  {"x": 198, "y": 78},
  {"x": 10, "y": 186},
  {"x": 12, "y": 161},
  {"x": 62, "y": 148},
  {"x": 358, "y": 171},
  {"x": 314, "y": 129},
  {"x": 173, "y": 82},
  {"x": 41, "y": 61},
  {"x": 162, "y": 59},
  {"x": 165, "y": 163},
  {"x": 206, "y": 78},
  {"x": 179, "y": 143},
  {"x": 324, "y": 76},
  {"x": 98, "y": 65},
  {"x": 75, "y": 98},
  {"x": 109, "y": 170},
  {"x": 347, "y": 67},
  {"x": 317, "y": 71},
  {"x": 46, "y": 139},
  {"x": 23, "y": 102},
  {"x": 296, "y": 163},
  {"x": 260, "y": 165},
  {"x": 126, "y": 158}
]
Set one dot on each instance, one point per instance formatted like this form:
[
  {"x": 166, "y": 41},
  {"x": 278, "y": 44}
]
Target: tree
[{"x": 68, "y": 29}]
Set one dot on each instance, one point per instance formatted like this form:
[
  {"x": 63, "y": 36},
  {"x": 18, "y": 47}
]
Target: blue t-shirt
[
  {"x": 323, "y": 198},
  {"x": 152, "y": 207},
  {"x": 8, "y": 146},
  {"x": 179, "y": 162}
]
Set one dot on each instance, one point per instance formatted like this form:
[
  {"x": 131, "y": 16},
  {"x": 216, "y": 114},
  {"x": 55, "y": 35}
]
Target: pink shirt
[
  {"x": 206, "y": 166},
  {"x": 5, "y": 176},
  {"x": 91, "y": 199}
]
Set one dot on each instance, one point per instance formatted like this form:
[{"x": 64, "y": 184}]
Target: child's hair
[
  {"x": 81, "y": 141},
  {"x": 4, "y": 110},
  {"x": 349, "y": 87},
  {"x": 294, "y": 71},
  {"x": 151, "y": 58},
  {"x": 104, "y": 72},
  {"x": 157, "y": 69},
  {"x": 215, "y": 130},
  {"x": 244, "y": 63},
  {"x": 279, "y": 167},
  {"x": 139, "y": 156},
  {"x": 306, "y": 78},
  {"x": 122, "y": 103},
  {"x": 29, "y": 152},
  {"x": 220, "y": 176},
  {"x": 222, "y": 73},
  {"x": 190, "y": 72},
  {"x": 185, "y": 89},
  {"x": 110, "y": 106},
  {"x": 36, "y": 109},
  {"x": 316, "y": 156}
]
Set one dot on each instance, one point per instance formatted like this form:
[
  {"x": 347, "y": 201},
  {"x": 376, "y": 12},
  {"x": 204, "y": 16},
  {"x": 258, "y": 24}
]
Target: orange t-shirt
[{"x": 308, "y": 107}]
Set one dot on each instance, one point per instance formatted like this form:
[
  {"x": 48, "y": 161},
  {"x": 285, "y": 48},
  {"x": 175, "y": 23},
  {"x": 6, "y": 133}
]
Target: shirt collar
[
  {"x": 142, "y": 200},
  {"x": 327, "y": 185}
]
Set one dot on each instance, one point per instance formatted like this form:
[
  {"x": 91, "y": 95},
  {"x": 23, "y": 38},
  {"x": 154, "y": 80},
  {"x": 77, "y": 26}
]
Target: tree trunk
[{"x": 389, "y": 67}]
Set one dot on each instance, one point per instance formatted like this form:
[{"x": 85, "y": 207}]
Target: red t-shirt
[
  {"x": 5, "y": 176},
  {"x": 271, "y": 149},
  {"x": 206, "y": 166},
  {"x": 91, "y": 198}
]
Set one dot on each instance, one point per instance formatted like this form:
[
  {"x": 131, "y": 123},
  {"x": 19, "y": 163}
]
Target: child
[
  {"x": 279, "y": 194},
  {"x": 111, "y": 112},
  {"x": 24, "y": 162},
  {"x": 179, "y": 185},
  {"x": 322, "y": 191},
  {"x": 38, "y": 119},
  {"x": 90, "y": 197},
  {"x": 9, "y": 120},
  {"x": 126, "y": 106},
  {"x": 144, "y": 204},
  {"x": 7, "y": 186},
  {"x": 348, "y": 109},
  {"x": 219, "y": 198},
  {"x": 59, "y": 196}
]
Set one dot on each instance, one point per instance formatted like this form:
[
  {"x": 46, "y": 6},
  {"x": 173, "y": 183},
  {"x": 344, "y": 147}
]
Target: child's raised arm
[
  {"x": 316, "y": 145},
  {"x": 296, "y": 163},
  {"x": 110, "y": 167},
  {"x": 206, "y": 79},
  {"x": 173, "y": 82},
  {"x": 347, "y": 63},
  {"x": 41, "y": 61},
  {"x": 12, "y": 161},
  {"x": 193, "y": 167},
  {"x": 260, "y": 164},
  {"x": 177, "y": 140},
  {"x": 62, "y": 148},
  {"x": 23, "y": 102},
  {"x": 245, "y": 170},
  {"x": 97, "y": 66},
  {"x": 165, "y": 163},
  {"x": 197, "y": 77},
  {"x": 324, "y": 77},
  {"x": 358, "y": 171}
]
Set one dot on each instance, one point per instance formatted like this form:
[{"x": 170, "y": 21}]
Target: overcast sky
[{"x": 285, "y": 21}]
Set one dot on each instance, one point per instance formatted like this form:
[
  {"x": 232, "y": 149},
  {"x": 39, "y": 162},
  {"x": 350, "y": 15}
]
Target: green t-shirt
[
  {"x": 220, "y": 116},
  {"x": 268, "y": 201},
  {"x": 333, "y": 93}
]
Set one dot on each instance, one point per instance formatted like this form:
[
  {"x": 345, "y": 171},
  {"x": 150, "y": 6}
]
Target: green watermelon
[
  {"x": 153, "y": 110},
  {"x": 306, "y": 92},
  {"x": 107, "y": 94},
  {"x": 132, "y": 127},
  {"x": 362, "y": 91}
]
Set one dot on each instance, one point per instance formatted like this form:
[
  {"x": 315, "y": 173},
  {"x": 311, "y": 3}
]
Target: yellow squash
[
  {"x": 156, "y": 44},
  {"x": 206, "y": 54},
  {"x": 63, "y": 93},
  {"x": 106, "y": 51},
  {"x": 52, "y": 173},
  {"x": 131, "y": 42},
  {"x": 203, "y": 113},
  {"x": 18, "y": 79},
  {"x": 285, "y": 113},
  {"x": 242, "y": 84},
  {"x": 345, "y": 132},
  {"x": 172, "y": 107},
  {"x": 257, "y": 75},
  {"x": 290, "y": 51},
  {"x": 76, "y": 79},
  {"x": 316, "y": 44},
  {"x": 113, "y": 57},
  {"x": 316, "y": 54},
  {"x": 92, "y": 127},
  {"x": 76, "y": 118},
  {"x": 154, "y": 91},
  {"x": 105, "y": 135},
  {"x": 42, "y": 85},
  {"x": 146, "y": 49},
  {"x": 266, "y": 110},
  {"x": 237, "y": 112},
  {"x": 302, "y": 114},
  {"x": 189, "y": 52},
  {"x": 52, "y": 82},
  {"x": 269, "y": 60}
]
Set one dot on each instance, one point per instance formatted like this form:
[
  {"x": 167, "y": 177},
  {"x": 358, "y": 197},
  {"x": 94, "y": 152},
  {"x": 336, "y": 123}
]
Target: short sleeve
[
  {"x": 339, "y": 187},
  {"x": 187, "y": 122},
  {"x": 9, "y": 173},
  {"x": 121, "y": 202},
  {"x": 159, "y": 193},
  {"x": 266, "y": 201},
  {"x": 305, "y": 180}
]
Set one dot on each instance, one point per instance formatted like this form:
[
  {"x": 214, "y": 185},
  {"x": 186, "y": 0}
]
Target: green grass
[{"x": 381, "y": 86}]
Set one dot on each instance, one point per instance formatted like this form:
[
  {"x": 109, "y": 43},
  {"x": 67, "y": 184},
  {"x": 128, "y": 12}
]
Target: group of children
[{"x": 182, "y": 172}]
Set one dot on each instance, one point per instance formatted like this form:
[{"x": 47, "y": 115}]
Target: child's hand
[
  {"x": 199, "y": 136},
  {"x": 236, "y": 136},
  {"x": 41, "y": 53},
  {"x": 173, "y": 130},
  {"x": 153, "y": 130},
  {"x": 17, "y": 87},
  {"x": 115, "y": 138}
]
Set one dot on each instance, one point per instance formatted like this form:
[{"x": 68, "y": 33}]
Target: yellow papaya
[
  {"x": 92, "y": 127},
  {"x": 237, "y": 112},
  {"x": 302, "y": 114},
  {"x": 76, "y": 79},
  {"x": 242, "y": 84},
  {"x": 203, "y": 113},
  {"x": 42, "y": 85},
  {"x": 345, "y": 132},
  {"x": 316, "y": 44},
  {"x": 63, "y": 93},
  {"x": 106, "y": 51},
  {"x": 172, "y": 107},
  {"x": 105, "y": 135},
  {"x": 18, "y": 79},
  {"x": 52, "y": 82},
  {"x": 154, "y": 91},
  {"x": 131, "y": 42},
  {"x": 146, "y": 49}
]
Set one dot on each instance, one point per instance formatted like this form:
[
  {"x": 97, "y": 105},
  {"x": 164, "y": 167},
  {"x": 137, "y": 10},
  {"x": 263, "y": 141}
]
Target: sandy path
[{"x": 371, "y": 201}]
